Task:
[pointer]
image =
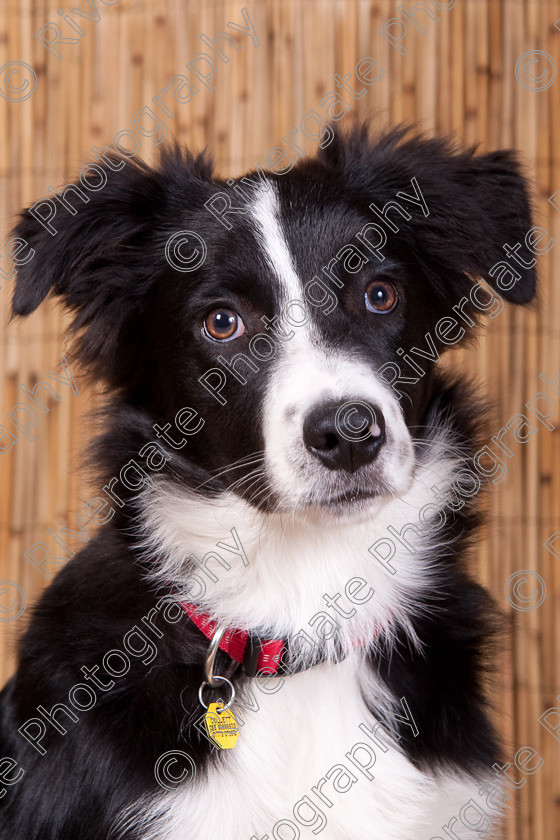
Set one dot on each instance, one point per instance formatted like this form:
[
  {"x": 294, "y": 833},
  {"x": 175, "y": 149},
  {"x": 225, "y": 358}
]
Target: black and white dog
[{"x": 281, "y": 459}]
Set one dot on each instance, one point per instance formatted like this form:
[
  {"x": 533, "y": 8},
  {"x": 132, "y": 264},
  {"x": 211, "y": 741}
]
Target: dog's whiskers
[{"x": 246, "y": 461}]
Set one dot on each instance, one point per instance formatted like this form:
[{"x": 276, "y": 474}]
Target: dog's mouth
[
  {"x": 349, "y": 498},
  {"x": 348, "y": 502}
]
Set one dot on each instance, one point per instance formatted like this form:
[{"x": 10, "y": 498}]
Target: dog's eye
[
  {"x": 381, "y": 296},
  {"x": 223, "y": 325}
]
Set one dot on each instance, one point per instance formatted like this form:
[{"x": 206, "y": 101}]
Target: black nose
[{"x": 344, "y": 436}]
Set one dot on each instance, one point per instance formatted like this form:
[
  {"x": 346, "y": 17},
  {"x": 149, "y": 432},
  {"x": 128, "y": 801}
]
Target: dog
[{"x": 274, "y": 631}]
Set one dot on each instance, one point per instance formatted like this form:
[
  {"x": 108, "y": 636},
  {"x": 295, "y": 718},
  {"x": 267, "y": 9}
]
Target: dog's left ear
[{"x": 477, "y": 206}]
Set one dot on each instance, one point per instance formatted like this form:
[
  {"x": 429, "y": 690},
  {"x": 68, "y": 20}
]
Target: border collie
[{"x": 274, "y": 633}]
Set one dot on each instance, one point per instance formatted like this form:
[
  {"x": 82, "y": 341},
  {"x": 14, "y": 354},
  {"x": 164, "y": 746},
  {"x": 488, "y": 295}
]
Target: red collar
[
  {"x": 256, "y": 655},
  {"x": 259, "y": 656}
]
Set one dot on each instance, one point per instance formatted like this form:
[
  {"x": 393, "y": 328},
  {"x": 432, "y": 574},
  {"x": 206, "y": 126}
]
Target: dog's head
[{"x": 284, "y": 308}]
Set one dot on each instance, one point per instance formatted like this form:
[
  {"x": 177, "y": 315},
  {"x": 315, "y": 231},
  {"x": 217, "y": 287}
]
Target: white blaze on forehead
[
  {"x": 307, "y": 371},
  {"x": 265, "y": 212}
]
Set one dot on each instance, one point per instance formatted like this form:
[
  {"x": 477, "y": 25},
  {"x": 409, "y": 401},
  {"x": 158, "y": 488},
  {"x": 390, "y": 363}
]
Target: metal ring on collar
[
  {"x": 223, "y": 680},
  {"x": 211, "y": 655}
]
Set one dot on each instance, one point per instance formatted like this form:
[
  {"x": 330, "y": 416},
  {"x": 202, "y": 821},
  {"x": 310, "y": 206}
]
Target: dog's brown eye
[
  {"x": 381, "y": 296},
  {"x": 223, "y": 324}
]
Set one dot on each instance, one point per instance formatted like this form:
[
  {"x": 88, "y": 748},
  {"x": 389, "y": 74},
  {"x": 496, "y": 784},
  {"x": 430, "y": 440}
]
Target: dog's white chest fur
[
  {"x": 302, "y": 733},
  {"x": 295, "y": 771}
]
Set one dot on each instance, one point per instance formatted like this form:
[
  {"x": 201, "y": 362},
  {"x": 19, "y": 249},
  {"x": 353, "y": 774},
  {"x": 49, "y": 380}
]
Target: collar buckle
[{"x": 251, "y": 656}]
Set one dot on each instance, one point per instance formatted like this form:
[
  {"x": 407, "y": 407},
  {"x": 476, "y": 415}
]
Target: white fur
[
  {"x": 291, "y": 560},
  {"x": 288, "y": 743}
]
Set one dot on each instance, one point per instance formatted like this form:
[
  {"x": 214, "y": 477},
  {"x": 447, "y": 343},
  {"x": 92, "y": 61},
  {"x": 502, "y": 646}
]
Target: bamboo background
[{"x": 458, "y": 77}]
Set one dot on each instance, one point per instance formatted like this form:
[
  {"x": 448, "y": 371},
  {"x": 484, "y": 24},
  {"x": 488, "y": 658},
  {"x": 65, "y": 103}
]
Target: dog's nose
[{"x": 344, "y": 436}]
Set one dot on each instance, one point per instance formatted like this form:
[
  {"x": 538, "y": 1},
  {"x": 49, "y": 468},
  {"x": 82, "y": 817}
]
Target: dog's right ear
[{"x": 101, "y": 249}]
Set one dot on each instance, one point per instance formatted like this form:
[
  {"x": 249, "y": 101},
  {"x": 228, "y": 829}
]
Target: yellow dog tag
[{"x": 221, "y": 726}]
